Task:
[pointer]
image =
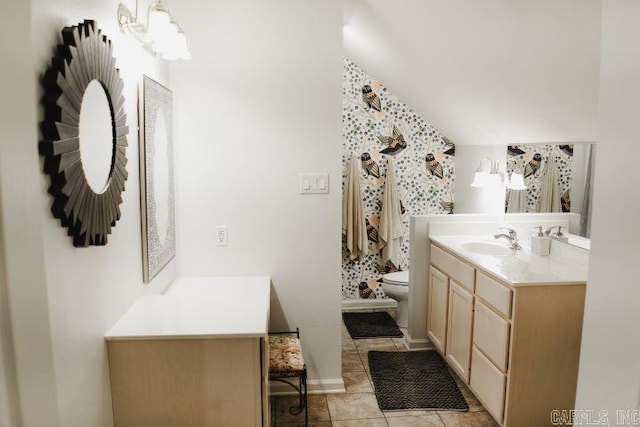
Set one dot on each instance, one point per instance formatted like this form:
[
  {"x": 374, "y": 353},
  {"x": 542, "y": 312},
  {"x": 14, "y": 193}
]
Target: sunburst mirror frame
[{"x": 85, "y": 55}]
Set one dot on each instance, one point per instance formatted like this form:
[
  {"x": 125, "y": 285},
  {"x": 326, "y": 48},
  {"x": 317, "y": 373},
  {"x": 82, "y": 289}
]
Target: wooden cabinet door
[
  {"x": 458, "y": 351},
  {"x": 437, "y": 308}
]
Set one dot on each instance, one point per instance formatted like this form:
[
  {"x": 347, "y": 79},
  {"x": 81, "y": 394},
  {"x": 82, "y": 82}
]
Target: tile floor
[{"x": 359, "y": 408}]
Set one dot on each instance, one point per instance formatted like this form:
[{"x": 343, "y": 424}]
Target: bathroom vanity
[
  {"x": 196, "y": 356},
  {"x": 509, "y": 323}
]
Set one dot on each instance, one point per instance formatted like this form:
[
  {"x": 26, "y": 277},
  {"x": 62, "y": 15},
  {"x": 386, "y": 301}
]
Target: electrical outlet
[{"x": 221, "y": 236}]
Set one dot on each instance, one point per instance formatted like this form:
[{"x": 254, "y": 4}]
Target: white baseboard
[
  {"x": 332, "y": 386},
  {"x": 417, "y": 344}
]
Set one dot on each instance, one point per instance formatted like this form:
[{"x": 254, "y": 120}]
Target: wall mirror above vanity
[
  {"x": 559, "y": 178},
  {"x": 573, "y": 175}
]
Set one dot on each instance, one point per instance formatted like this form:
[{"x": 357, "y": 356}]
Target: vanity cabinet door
[
  {"x": 459, "y": 329},
  {"x": 437, "y": 308}
]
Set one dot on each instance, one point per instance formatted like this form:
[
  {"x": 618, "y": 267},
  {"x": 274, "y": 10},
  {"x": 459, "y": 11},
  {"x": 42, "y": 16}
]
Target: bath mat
[
  {"x": 378, "y": 324},
  {"x": 414, "y": 380}
]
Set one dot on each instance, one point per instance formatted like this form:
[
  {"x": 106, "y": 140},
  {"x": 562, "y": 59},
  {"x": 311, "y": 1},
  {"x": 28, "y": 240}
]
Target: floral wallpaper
[
  {"x": 378, "y": 127},
  {"x": 531, "y": 159}
]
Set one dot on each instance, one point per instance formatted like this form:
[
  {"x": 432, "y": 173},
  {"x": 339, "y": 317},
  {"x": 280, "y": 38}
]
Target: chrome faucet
[
  {"x": 511, "y": 236},
  {"x": 548, "y": 231}
]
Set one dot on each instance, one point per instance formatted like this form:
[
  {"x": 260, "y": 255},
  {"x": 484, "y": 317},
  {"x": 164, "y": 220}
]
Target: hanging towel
[
  {"x": 353, "y": 225},
  {"x": 391, "y": 232},
  {"x": 516, "y": 201},
  {"x": 550, "y": 194}
]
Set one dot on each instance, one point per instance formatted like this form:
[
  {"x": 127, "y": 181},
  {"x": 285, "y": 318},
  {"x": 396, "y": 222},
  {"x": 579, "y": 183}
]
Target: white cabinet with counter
[
  {"x": 513, "y": 328},
  {"x": 194, "y": 357}
]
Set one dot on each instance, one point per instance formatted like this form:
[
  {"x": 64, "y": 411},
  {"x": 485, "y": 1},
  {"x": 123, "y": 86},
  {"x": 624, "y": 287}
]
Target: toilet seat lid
[{"x": 397, "y": 278}]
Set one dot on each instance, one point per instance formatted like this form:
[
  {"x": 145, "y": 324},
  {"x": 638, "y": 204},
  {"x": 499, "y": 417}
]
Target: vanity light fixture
[
  {"x": 491, "y": 178},
  {"x": 517, "y": 181},
  {"x": 162, "y": 34}
]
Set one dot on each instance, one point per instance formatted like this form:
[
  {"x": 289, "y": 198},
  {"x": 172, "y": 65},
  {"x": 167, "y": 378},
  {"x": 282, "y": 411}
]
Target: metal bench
[{"x": 286, "y": 364}]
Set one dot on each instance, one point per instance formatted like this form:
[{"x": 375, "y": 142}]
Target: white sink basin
[{"x": 487, "y": 248}]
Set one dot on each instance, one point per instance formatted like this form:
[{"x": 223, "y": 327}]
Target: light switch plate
[{"x": 314, "y": 183}]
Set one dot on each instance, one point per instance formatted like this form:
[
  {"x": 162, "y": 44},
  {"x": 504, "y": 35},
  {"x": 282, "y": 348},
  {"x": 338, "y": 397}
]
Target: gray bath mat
[
  {"x": 371, "y": 325},
  {"x": 414, "y": 380}
]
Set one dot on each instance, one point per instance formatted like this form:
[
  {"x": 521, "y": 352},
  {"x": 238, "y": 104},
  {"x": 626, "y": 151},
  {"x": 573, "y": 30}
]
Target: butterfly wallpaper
[{"x": 376, "y": 127}]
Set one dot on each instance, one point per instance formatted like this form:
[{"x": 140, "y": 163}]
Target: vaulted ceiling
[{"x": 485, "y": 72}]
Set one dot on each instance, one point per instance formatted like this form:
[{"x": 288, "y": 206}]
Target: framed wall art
[{"x": 156, "y": 178}]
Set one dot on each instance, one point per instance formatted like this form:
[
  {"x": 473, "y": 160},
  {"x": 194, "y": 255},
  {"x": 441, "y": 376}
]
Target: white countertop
[
  {"x": 519, "y": 268},
  {"x": 199, "y": 307}
]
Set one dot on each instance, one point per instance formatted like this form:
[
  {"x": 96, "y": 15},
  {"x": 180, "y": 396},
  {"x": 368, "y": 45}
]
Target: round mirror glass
[
  {"x": 161, "y": 175},
  {"x": 96, "y": 137}
]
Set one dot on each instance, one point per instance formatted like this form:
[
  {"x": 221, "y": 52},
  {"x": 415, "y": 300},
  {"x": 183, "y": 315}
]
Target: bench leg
[{"x": 306, "y": 406}]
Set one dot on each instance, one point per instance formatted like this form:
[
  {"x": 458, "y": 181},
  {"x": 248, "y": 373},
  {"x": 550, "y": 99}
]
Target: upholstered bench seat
[
  {"x": 286, "y": 364},
  {"x": 285, "y": 356}
]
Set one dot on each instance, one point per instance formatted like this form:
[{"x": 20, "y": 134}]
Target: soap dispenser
[{"x": 540, "y": 244}]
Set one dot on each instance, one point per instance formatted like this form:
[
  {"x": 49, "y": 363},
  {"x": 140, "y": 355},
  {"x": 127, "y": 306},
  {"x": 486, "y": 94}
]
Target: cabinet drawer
[
  {"x": 491, "y": 335},
  {"x": 488, "y": 383},
  {"x": 458, "y": 270},
  {"x": 496, "y": 294}
]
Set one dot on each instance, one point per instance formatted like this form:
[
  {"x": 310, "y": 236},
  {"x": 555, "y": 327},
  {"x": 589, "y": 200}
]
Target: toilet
[{"x": 396, "y": 286}]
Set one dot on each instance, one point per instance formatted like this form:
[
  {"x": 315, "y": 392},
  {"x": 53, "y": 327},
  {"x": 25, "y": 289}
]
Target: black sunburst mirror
[{"x": 84, "y": 56}]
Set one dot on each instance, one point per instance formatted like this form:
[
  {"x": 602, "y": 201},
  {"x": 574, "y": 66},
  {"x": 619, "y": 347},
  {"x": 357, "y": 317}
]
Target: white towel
[
  {"x": 550, "y": 194},
  {"x": 353, "y": 225},
  {"x": 391, "y": 232},
  {"x": 516, "y": 201}
]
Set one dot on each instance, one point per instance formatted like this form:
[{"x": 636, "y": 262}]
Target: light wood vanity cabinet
[
  {"x": 517, "y": 347},
  {"x": 194, "y": 382},
  {"x": 437, "y": 310},
  {"x": 459, "y": 323},
  {"x": 196, "y": 356}
]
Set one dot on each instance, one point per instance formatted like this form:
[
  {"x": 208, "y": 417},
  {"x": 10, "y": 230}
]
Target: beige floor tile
[
  {"x": 374, "y": 344},
  {"x": 416, "y": 421},
  {"x": 351, "y": 362},
  {"x": 318, "y": 409},
  {"x": 311, "y": 424},
  {"x": 347, "y": 344},
  {"x": 472, "y": 400},
  {"x": 466, "y": 419},
  {"x": 353, "y": 406},
  {"x": 371, "y": 422},
  {"x": 399, "y": 343},
  {"x": 408, "y": 413},
  {"x": 357, "y": 382}
]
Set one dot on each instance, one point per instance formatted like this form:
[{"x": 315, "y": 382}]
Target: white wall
[
  {"x": 258, "y": 104},
  {"x": 90, "y": 288},
  {"x": 609, "y": 376},
  {"x": 24, "y": 275},
  {"x": 9, "y": 411},
  {"x": 490, "y": 72},
  {"x": 63, "y": 299}
]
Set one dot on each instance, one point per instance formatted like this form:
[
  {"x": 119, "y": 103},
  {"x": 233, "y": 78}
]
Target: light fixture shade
[
  {"x": 159, "y": 22},
  {"x": 176, "y": 47},
  {"x": 517, "y": 181},
  {"x": 480, "y": 179},
  {"x": 495, "y": 180},
  {"x": 161, "y": 34}
]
